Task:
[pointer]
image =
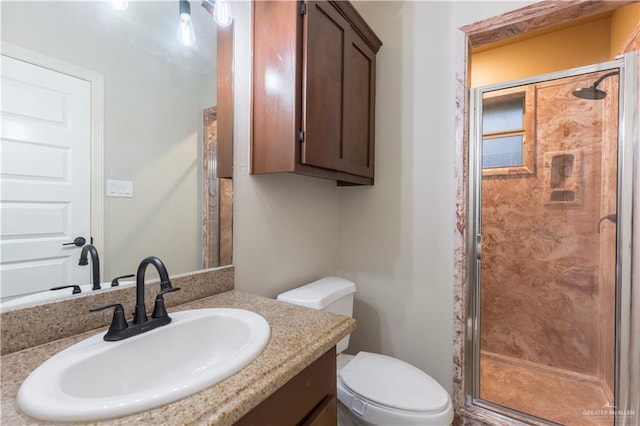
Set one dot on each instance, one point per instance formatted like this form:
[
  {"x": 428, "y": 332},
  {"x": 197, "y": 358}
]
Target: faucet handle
[
  {"x": 75, "y": 287},
  {"x": 116, "y": 283},
  {"x": 159, "y": 310},
  {"x": 118, "y": 323}
]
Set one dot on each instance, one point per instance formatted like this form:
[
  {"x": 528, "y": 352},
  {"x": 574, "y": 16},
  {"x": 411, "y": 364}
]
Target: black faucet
[
  {"x": 119, "y": 328},
  {"x": 140, "y": 313},
  {"x": 95, "y": 264}
]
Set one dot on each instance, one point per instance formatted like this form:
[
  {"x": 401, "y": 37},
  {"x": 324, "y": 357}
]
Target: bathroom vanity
[
  {"x": 307, "y": 399},
  {"x": 292, "y": 381}
]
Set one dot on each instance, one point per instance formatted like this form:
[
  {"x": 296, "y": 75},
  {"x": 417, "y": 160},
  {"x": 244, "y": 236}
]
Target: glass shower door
[{"x": 546, "y": 277}]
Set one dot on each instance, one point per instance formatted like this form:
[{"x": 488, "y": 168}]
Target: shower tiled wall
[{"x": 544, "y": 296}]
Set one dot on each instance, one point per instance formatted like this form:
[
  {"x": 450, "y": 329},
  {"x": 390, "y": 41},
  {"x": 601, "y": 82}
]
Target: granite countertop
[{"x": 298, "y": 337}]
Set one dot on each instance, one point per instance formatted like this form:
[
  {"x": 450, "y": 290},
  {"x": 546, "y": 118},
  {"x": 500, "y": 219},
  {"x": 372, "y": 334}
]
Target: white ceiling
[{"x": 150, "y": 26}]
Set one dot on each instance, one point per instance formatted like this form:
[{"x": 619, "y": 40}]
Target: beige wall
[
  {"x": 285, "y": 226},
  {"x": 395, "y": 239}
]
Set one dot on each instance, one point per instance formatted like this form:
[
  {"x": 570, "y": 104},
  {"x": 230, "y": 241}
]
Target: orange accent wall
[
  {"x": 568, "y": 48},
  {"x": 625, "y": 25},
  {"x": 594, "y": 41}
]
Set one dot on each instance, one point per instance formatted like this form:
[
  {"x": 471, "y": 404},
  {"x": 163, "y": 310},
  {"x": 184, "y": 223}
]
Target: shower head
[
  {"x": 592, "y": 92},
  {"x": 589, "y": 93}
]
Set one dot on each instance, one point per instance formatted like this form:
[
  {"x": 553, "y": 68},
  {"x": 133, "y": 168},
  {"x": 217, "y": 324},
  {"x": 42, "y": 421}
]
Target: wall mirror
[{"x": 163, "y": 191}]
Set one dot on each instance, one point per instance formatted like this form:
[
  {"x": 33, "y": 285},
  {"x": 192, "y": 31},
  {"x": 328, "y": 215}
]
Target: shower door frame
[{"x": 625, "y": 303}]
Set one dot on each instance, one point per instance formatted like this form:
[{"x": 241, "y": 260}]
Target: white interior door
[{"x": 45, "y": 176}]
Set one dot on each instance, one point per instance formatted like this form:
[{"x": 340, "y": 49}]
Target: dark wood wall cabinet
[
  {"x": 314, "y": 78},
  {"x": 309, "y": 399}
]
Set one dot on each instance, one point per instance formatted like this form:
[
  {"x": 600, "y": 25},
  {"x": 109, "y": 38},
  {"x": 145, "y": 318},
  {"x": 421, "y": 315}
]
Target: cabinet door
[
  {"x": 306, "y": 399},
  {"x": 339, "y": 93},
  {"x": 325, "y": 34},
  {"x": 359, "y": 122},
  {"x": 325, "y": 414}
]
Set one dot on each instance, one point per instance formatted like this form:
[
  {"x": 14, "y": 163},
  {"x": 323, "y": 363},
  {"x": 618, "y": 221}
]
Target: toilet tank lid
[{"x": 319, "y": 294}]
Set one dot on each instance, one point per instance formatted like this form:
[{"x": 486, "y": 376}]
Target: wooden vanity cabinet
[
  {"x": 308, "y": 399},
  {"x": 313, "y": 105}
]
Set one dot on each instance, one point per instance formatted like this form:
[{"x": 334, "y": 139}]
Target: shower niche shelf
[{"x": 562, "y": 182}]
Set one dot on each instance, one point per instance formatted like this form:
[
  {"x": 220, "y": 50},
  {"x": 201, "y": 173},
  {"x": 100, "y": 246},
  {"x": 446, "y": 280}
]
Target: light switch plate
[{"x": 119, "y": 188}]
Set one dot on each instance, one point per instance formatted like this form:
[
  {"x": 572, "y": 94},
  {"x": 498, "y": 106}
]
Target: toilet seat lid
[{"x": 393, "y": 383}]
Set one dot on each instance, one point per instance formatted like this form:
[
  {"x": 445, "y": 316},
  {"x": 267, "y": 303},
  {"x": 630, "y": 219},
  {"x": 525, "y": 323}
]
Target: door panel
[
  {"x": 45, "y": 177},
  {"x": 29, "y": 273},
  {"x": 357, "y": 156},
  {"x": 33, "y": 220},
  {"x": 324, "y": 41},
  {"x": 26, "y": 160}
]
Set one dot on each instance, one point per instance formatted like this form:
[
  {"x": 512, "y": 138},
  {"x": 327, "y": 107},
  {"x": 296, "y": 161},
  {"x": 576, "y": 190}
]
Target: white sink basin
[{"x": 94, "y": 379}]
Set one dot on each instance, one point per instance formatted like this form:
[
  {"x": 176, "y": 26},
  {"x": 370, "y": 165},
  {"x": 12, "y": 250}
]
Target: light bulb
[
  {"x": 186, "y": 35},
  {"x": 222, "y": 13},
  {"x": 118, "y": 5}
]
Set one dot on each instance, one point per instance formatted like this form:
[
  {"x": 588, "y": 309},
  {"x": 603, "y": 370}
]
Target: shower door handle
[
  {"x": 612, "y": 217},
  {"x": 478, "y": 247}
]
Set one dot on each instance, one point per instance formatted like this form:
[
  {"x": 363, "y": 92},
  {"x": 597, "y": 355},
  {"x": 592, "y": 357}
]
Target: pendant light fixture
[
  {"x": 186, "y": 35},
  {"x": 222, "y": 13},
  {"x": 220, "y": 10}
]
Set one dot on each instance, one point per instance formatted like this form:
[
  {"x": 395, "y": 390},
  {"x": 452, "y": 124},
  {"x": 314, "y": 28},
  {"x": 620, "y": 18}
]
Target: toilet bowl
[
  {"x": 381, "y": 390},
  {"x": 376, "y": 389}
]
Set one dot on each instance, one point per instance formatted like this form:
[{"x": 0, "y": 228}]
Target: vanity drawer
[{"x": 307, "y": 399}]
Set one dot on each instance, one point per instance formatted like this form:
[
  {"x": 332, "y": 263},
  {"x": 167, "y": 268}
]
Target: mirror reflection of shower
[{"x": 592, "y": 92}]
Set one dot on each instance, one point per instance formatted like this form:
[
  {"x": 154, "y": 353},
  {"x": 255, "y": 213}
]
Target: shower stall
[{"x": 551, "y": 180}]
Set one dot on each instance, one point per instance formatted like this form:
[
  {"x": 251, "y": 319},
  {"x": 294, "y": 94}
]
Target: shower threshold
[{"x": 558, "y": 395}]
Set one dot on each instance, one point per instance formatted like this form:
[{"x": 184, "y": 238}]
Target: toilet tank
[{"x": 331, "y": 294}]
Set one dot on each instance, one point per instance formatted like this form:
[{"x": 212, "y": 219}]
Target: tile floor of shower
[{"x": 558, "y": 395}]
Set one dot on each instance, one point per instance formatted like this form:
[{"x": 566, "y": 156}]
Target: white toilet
[{"x": 377, "y": 389}]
